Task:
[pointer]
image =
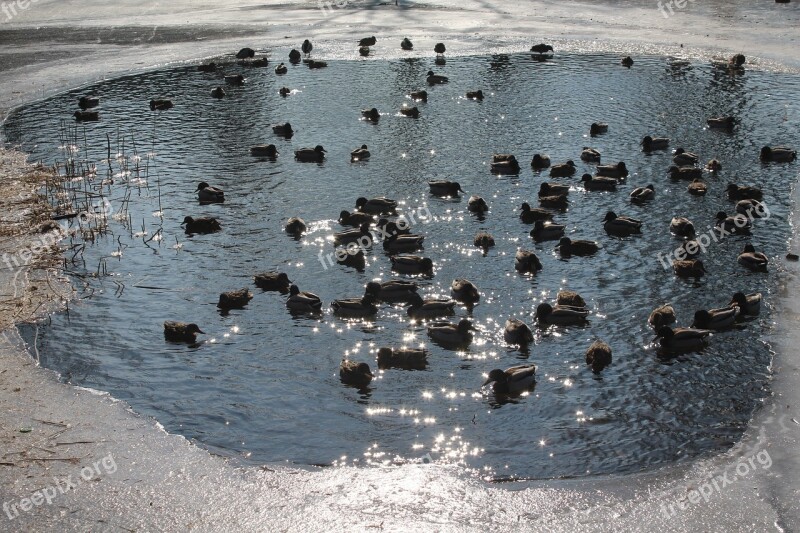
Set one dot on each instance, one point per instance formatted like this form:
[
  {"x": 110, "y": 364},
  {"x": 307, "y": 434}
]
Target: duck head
[
  {"x": 749, "y": 248},
  {"x": 187, "y": 220},
  {"x": 543, "y": 310},
  {"x": 193, "y": 328},
  {"x": 319, "y": 149},
  {"x": 202, "y": 185},
  {"x": 464, "y": 326},
  {"x": 294, "y": 290},
  {"x": 611, "y": 215},
  {"x": 373, "y": 287},
  {"x": 496, "y": 376}
]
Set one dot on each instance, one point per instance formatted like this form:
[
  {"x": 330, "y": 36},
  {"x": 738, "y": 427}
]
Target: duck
[
  {"x": 303, "y": 302},
  {"x": 517, "y": 332},
  {"x": 430, "y": 307},
  {"x": 748, "y": 304},
  {"x": 445, "y": 188},
  {"x": 281, "y": 69},
  {"x": 453, "y": 334},
  {"x": 361, "y": 235},
  {"x": 737, "y": 224},
  {"x": 272, "y": 281},
  {"x": 679, "y": 340},
  {"x": 208, "y": 194},
  {"x": 563, "y": 170},
  {"x": 360, "y": 154},
  {"x": 356, "y": 219},
  {"x": 567, "y": 298},
  {"x": 682, "y": 227},
  {"x": 436, "y": 79},
  {"x": 245, "y": 53},
  {"x": 264, "y": 150},
  {"x": 643, "y": 194},
  {"x": 683, "y": 158},
  {"x": 567, "y": 247},
  {"x": 403, "y": 243},
  {"x": 406, "y": 44},
  {"x": 207, "y": 67},
  {"x": 371, "y": 114},
  {"x": 368, "y": 41},
  {"x": 403, "y": 358},
  {"x": 356, "y": 307},
  {"x": 464, "y": 291},
  {"x": 306, "y": 47},
  {"x": 621, "y": 225},
  {"x": 553, "y": 189},
  {"x": 514, "y": 380},
  {"x": 86, "y": 116},
  {"x": 234, "y": 299},
  {"x": 599, "y": 183},
  {"x": 295, "y": 226},
  {"x": 541, "y": 48},
  {"x": 698, "y": 187},
  {"x": 736, "y": 61},
  {"x": 354, "y": 258},
  {"x": 476, "y": 204},
  {"x": 355, "y": 374},
  {"x": 530, "y": 215},
  {"x": 780, "y": 154},
  {"x": 688, "y": 268},
  {"x": 715, "y": 319},
  {"x": 181, "y": 331},
  {"x": 547, "y": 315},
  {"x": 483, "y": 239},
  {"x": 714, "y": 165},
  {"x": 218, "y": 93},
  {"x": 376, "y": 206},
  {"x": 412, "y": 112},
  {"x": 285, "y": 91},
  {"x": 420, "y": 96},
  {"x": 751, "y": 208},
  {"x": 294, "y": 56},
  {"x": 527, "y": 262},
  {"x": 650, "y": 144},
  {"x": 439, "y": 49},
  {"x": 540, "y": 161},
  {"x": 160, "y": 104},
  {"x": 755, "y": 261},
  {"x": 627, "y": 61},
  {"x": 590, "y": 155},
  {"x": 685, "y": 173},
  {"x": 743, "y": 192},
  {"x": 88, "y": 102},
  {"x": 235, "y": 79},
  {"x": 598, "y": 128},
  {"x": 310, "y": 155},
  {"x": 284, "y": 130},
  {"x": 412, "y": 264},
  {"x": 721, "y": 123},
  {"x": 312, "y": 63},
  {"x": 598, "y": 355},
  {"x": 201, "y": 225},
  {"x": 509, "y": 165},
  {"x": 475, "y": 95},
  {"x": 547, "y": 231},
  {"x": 394, "y": 291},
  {"x": 558, "y": 201},
  {"x": 613, "y": 171},
  {"x": 663, "y": 315}
]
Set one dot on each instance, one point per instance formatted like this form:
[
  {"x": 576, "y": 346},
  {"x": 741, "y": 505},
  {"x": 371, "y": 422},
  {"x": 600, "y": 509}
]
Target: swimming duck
[
  {"x": 440, "y": 49},
  {"x": 483, "y": 239},
  {"x": 181, "y": 331},
  {"x": 406, "y": 44},
  {"x": 553, "y": 189},
  {"x": 540, "y": 161},
  {"x": 284, "y": 130},
  {"x": 526, "y": 262},
  {"x": 403, "y": 243},
  {"x": 567, "y": 298},
  {"x": 453, "y": 334},
  {"x": 621, "y": 225},
  {"x": 285, "y": 91},
  {"x": 778, "y": 153},
  {"x": 160, "y": 104},
  {"x": 698, "y": 187},
  {"x": 688, "y": 268},
  {"x": 755, "y": 261},
  {"x": 245, "y": 53},
  {"x": 514, "y": 380},
  {"x": 371, "y": 114},
  {"x": 685, "y": 173},
  {"x": 721, "y": 123},
  {"x": 737, "y": 224},
  {"x": 643, "y": 194},
  {"x": 303, "y": 302},
  {"x": 431, "y": 307},
  {"x": 360, "y": 154},
  {"x": 411, "y": 264},
  {"x": 434, "y": 79},
  {"x": 683, "y": 158},
  {"x": 547, "y": 231},
  {"x": 412, "y": 112},
  {"x": 394, "y": 291},
  {"x": 517, "y": 332},
  {"x": 376, "y": 206},
  {"x": 201, "y": 225},
  {"x": 420, "y": 96},
  {"x": 598, "y": 355},
  {"x": 445, "y": 188},
  {"x": 307, "y": 47},
  {"x": 404, "y": 358},
  {"x": 234, "y": 299},
  {"x": 475, "y": 95},
  {"x": 361, "y": 235},
  {"x": 281, "y": 69},
  {"x": 715, "y": 319},
  {"x": 749, "y": 304},
  {"x": 355, "y": 374},
  {"x": 294, "y": 56},
  {"x": 508, "y": 165},
  {"x": 682, "y": 339},
  {"x": 355, "y": 307},
  {"x": 661, "y": 316},
  {"x": 598, "y": 128},
  {"x": 476, "y": 204},
  {"x": 88, "y": 102},
  {"x": 86, "y": 116},
  {"x": 627, "y": 61},
  {"x": 464, "y": 291},
  {"x": 208, "y": 194},
  {"x": 310, "y": 155},
  {"x": 272, "y": 281},
  {"x": 347, "y": 218},
  {"x": 714, "y": 165},
  {"x": 207, "y": 67},
  {"x": 541, "y": 48},
  {"x": 613, "y": 171},
  {"x": 743, "y": 192},
  {"x": 347, "y": 257},
  {"x": 563, "y": 170},
  {"x": 751, "y": 208},
  {"x": 650, "y": 144},
  {"x": 235, "y": 79},
  {"x": 264, "y": 150},
  {"x": 368, "y": 41},
  {"x": 295, "y": 226},
  {"x": 590, "y": 155},
  {"x": 558, "y": 201},
  {"x": 682, "y": 227},
  {"x": 599, "y": 183},
  {"x": 530, "y": 215},
  {"x": 218, "y": 93},
  {"x": 546, "y": 315},
  {"x": 567, "y": 247},
  {"x": 316, "y": 64},
  {"x": 737, "y": 60}
]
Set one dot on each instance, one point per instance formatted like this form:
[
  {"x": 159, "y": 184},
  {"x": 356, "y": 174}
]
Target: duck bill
[
  {"x": 201, "y": 331},
  {"x": 489, "y": 380}
]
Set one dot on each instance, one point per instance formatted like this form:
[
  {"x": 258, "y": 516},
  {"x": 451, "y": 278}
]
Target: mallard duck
[
  {"x": 514, "y": 380},
  {"x": 476, "y": 204},
  {"x": 284, "y": 130},
  {"x": 680, "y": 340},
  {"x": 626, "y": 61},
  {"x": 86, "y": 116},
  {"x": 517, "y": 332},
  {"x": 558, "y": 201},
  {"x": 412, "y": 112},
  {"x": 475, "y": 95},
  {"x": 285, "y": 91},
  {"x": 721, "y": 123},
  {"x": 356, "y": 307},
  {"x": 715, "y": 319},
  {"x": 509, "y": 165},
  {"x": 599, "y": 183},
  {"x": 303, "y": 302},
  {"x": 208, "y": 194},
  {"x": 547, "y": 231},
  {"x": 440, "y": 49},
  {"x": 568, "y": 247},
  {"x": 294, "y": 56},
  {"x": 355, "y": 374},
  {"x": 360, "y": 154},
  {"x": 361, "y": 235},
  {"x": 281, "y": 69},
  {"x": 483, "y": 239},
  {"x": 755, "y": 261},
  {"x": 419, "y": 96},
  {"x": 464, "y": 291},
  {"x": 430, "y": 307},
  {"x": 207, "y": 67},
  {"x": 563, "y": 170},
  {"x": 218, "y": 93},
  {"x": 445, "y": 188},
  {"x": 234, "y": 299},
  {"x": 714, "y": 165},
  {"x": 295, "y": 226},
  {"x": 682, "y": 227},
  {"x": 737, "y": 224},
  {"x": 553, "y": 189},
  {"x": 743, "y": 192},
  {"x": 748, "y": 304},
  {"x": 403, "y": 243},
  {"x": 312, "y": 63},
  {"x": 272, "y": 281},
  {"x": 598, "y": 128},
  {"x": 376, "y": 206},
  {"x": 650, "y": 144},
  {"x": 567, "y": 298},
  {"x": 683, "y": 158},
  {"x": 590, "y": 155},
  {"x": 453, "y": 334},
  {"x": 245, "y": 53},
  {"x": 403, "y": 358},
  {"x": 541, "y": 48},
  {"x": 526, "y": 262},
  {"x": 598, "y": 355},
  {"x": 201, "y": 225},
  {"x": 310, "y": 155},
  {"x": 406, "y": 44},
  {"x": 698, "y": 187},
  {"x": 751, "y": 208},
  {"x": 434, "y": 79},
  {"x": 307, "y": 47},
  {"x": 778, "y": 154},
  {"x": 688, "y": 268},
  {"x": 394, "y": 291},
  {"x": 530, "y": 215},
  {"x": 411, "y": 264},
  {"x": 643, "y": 194},
  {"x": 357, "y": 219},
  {"x": 546, "y": 314},
  {"x": 540, "y": 161},
  {"x": 613, "y": 171},
  {"x": 181, "y": 331},
  {"x": 685, "y": 173},
  {"x": 236, "y": 79},
  {"x": 621, "y": 225},
  {"x": 88, "y": 102},
  {"x": 264, "y": 150},
  {"x": 160, "y": 104},
  {"x": 367, "y": 41},
  {"x": 371, "y": 114},
  {"x": 661, "y": 316}
]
